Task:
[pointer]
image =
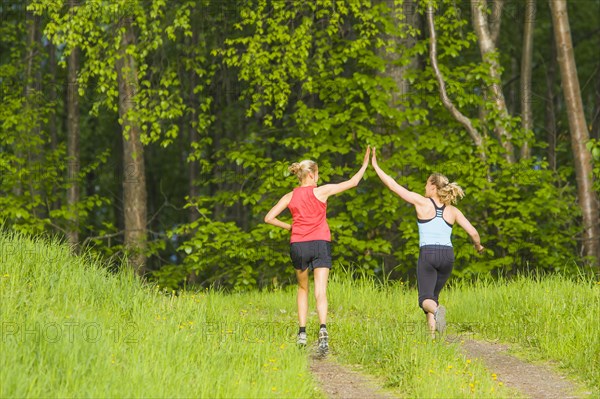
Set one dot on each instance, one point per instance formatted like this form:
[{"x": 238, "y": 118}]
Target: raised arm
[
  {"x": 271, "y": 217},
  {"x": 407, "y": 195},
  {"x": 471, "y": 231},
  {"x": 327, "y": 190}
]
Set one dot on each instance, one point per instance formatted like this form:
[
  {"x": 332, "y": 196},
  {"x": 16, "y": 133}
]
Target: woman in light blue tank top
[{"x": 435, "y": 216}]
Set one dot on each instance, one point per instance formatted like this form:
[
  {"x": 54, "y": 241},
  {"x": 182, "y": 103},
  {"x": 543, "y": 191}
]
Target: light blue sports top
[{"x": 435, "y": 231}]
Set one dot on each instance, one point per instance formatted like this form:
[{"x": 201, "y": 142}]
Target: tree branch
[{"x": 456, "y": 114}]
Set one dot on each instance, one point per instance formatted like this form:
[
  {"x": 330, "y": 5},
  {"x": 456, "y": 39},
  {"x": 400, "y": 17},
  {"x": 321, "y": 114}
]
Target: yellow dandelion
[
  {"x": 494, "y": 377},
  {"x": 468, "y": 361}
]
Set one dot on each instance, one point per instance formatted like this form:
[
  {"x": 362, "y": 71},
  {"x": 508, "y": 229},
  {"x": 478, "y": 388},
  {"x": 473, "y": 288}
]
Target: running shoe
[
  {"x": 323, "y": 347},
  {"x": 302, "y": 338}
]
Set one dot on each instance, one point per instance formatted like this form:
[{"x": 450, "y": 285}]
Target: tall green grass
[
  {"x": 383, "y": 329},
  {"x": 553, "y": 319},
  {"x": 70, "y": 328}
]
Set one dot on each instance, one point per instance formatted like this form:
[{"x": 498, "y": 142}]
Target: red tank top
[{"x": 309, "y": 221}]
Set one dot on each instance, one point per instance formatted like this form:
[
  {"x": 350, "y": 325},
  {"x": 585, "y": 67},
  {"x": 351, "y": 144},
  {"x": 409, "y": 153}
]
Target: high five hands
[
  {"x": 366, "y": 159},
  {"x": 396, "y": 187}
]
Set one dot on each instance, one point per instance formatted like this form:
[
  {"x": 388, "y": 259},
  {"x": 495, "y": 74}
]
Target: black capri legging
[{"x": 433, "y": 270}]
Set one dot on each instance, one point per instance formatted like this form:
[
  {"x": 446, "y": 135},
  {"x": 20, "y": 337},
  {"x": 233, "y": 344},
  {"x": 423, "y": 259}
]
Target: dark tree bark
[
  {"x": 550, "y": 120},
  {"x": 526, "y": 67},
  {"x": 595, "y": 133},
  {"x": 73, "y": 145},
  {"x": 134, "y": 179}
]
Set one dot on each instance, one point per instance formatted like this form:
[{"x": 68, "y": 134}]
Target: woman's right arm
[
  {"x": 407, "y": 195},
  {"x": 271, "y": 217}
]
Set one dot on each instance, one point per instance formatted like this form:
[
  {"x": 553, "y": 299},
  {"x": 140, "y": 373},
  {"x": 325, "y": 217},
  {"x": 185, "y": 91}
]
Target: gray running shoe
[
  {"x": 440, "y": 319},
  {"x": 323, "y": 347},
  {"x": 302, "y": 338}
]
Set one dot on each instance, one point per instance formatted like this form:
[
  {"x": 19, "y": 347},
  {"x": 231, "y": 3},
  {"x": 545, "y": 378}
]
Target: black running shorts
[{"x": 311, "y": 254}]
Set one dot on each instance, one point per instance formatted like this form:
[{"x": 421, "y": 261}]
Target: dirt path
[
  {"x": 532, "y": 380},
  {"x": 338, "y": 382}
]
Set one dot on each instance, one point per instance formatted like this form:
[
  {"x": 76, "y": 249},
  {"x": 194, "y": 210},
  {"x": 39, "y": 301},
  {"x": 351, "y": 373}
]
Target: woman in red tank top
[{"x": 310, "y": 239}]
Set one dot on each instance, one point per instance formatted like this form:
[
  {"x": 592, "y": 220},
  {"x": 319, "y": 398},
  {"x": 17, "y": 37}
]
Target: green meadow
[{"x": 70, "y": 328}]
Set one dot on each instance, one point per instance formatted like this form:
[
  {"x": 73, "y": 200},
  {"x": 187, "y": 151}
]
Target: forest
[{"x": 157, "y": 134}]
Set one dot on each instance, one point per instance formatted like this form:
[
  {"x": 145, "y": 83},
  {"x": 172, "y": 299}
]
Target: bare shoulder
[
  {"x": 451, "y": 213},
  {"x": 288, "y": 196},
  {"x": 323, "y": 192}
]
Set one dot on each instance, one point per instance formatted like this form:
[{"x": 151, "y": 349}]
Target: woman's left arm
[
  {"x": 471, "y": 231},
  {"x": 328, "y": 190}
]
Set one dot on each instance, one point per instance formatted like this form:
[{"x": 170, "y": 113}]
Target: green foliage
[
  {"x": 324, "y": 94},
  {"x": 231, "y": 93}
]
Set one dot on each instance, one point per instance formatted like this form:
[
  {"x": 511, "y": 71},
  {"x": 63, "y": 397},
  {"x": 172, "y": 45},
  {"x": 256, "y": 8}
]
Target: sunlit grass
[
  {"x": 69, "y": 328},
  {"x": 553, "y": 318}
]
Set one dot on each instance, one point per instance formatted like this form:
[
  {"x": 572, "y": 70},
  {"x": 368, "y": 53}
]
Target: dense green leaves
[{"x": 231, "y": 93}]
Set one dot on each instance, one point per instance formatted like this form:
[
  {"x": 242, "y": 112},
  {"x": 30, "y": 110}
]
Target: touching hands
[
  {"x": 367, "y": 153},
  {"x": 374, "y": 159}
]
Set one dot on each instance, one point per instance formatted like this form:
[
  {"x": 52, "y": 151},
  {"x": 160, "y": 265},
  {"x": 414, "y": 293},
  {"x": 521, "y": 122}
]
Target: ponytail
[{"x": 448, "y": 192}]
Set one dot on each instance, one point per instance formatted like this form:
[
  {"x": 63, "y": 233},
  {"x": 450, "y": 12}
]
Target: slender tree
[
  {"x": 550, "y": 109},
  {"x": 596, "y": 114},
  {"x": 73, "y": 143},
  {"x": 588, "y": 198},
  {"x": 526, "y": 83},
  {"x": 487, "y": 47},
  {"x": 134, "y": 179}
]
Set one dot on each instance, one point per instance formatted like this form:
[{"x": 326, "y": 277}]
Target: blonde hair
[
  {"x": 303, "y": 168},
  {"x": 448, "y": 192}
]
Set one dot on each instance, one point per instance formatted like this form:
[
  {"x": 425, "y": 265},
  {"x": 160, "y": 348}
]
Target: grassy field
[
  {"x": 554, "y": 320},
  {"x": 69, "y": 328}
]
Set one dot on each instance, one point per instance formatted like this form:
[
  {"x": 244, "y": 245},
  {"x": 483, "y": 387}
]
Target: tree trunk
[
  {"x": 526, "y": 65},
  {"x": 496, "y": 20},
  {"x": 487, "y": 48},
  {"x": 588, "y": 199},
  {"x": 134, "y": 180},
  {"x": 551, "y": 106},
  {"x": 404, "y": 14},
  {"x": 73, "y": 146},
  {"x": 595, "y": 133},
  {"x": 31, "y": 137}
]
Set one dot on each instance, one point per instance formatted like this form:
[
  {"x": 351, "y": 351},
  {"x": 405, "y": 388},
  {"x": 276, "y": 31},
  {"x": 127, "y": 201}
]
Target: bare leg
[
  {"x": 430, "y": 307},
  {"x": 302, "y": 299},
  {"x": 321, "y": 276}
]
